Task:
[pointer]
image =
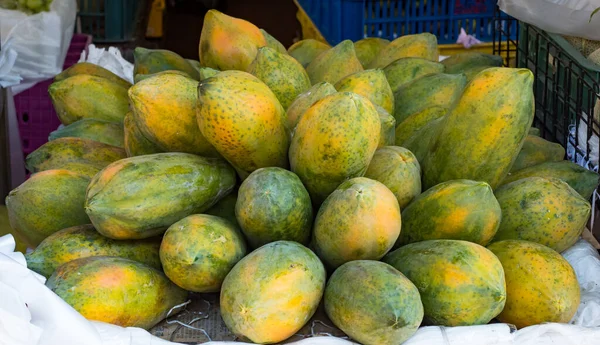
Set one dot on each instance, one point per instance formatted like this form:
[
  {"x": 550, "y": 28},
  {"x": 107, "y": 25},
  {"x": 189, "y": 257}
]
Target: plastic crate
[
  {"x": 108, "y": 20},
  {"x": 337, "y": 20},
  {"x": 35, "y": 112}
]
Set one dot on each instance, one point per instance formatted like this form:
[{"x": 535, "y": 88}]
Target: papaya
[
  {"x": 334, "y": 141},
  {"x": 534, "y": 131},
  {"x": 228, "y": 43},
  {"x": 453, "y": 210},
  {"x": 431, "y": 90},
  {"x": 368, "y": 48},
  {"x": 541, "y": 285},
  {"x": 91, "y": 69},
  {"x": 480, "y": 139},
  {"x": 373, "y": 303},
  {"x": 198, "y": 251},
  {"x": 140, "y": 197},
  {"x": 398, "y": 169},
  {"x": 84, "y": 241},
  {"x": 116, "y": 290},
  {"x": 423, "y": 45},
  {"x": 136, "y": 143},
  {"x": 273, "y": 205},
  {"x": 360, "y": 220},
  {"x": 420, "y": 141},
  {"x": 271, "y": 293},
  {"x": 305, "y": 51},
  {"x": 305, "y": 100},
  {"x": 334, "y": 64},
  {"x": 225, "y": 208},
  {"x": 537, "y": 150},
  {"x": 102, "y": 131},
  {"x": 76, "y": 154},
  {"x": 164, "y": 108},
  {"x": 459, "y": 63},
  {"x": 461, "y": 283},
  {"x": 47, "y": 202},
  {"x": 273, "y": 43},
  {"x": 406, "y": 70},
  {"x": 542, "y": 210},
  {"x": 371, "y": 84},
  {"x": 242, "y": 118},
  {"x": 582, "y": 180},
  {"x": 207, "y": 72},
  {"x": 472, "y": 72},
  {"x": 140, "y": 77},
  {"x": 387, "y": 135},
  {"x": 87, "y": 96},
  {"x": 195, "y": 64},
  {"x": 150, "y": 61},
  {"x": 282, "y": 73},
  {"x": 413, "y": 125}
]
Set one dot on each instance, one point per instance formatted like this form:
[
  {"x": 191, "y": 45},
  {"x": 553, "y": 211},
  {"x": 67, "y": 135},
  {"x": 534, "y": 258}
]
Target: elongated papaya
[
  {"x": 334, "y": 141},
  {"x": 228, "y": 43},
  {"x": 417, "y": 122},
  {"x": 422, "y": 45},
  {"x": 91, "y": 69},
  {"x": 150, "y": 61},
  {"x": 164, "y": 108},
  {"x": 273, "y": 43},
  {"x": 368, "y": 48},
  {"x": 387, "y": 135},
  {"x": 102, "y": 131},
  {"x": 537, "y": 150},
  {"x": 136, "y": 142},
  {"x": 420, "y": 142},
  {"x": 140, "y": 77},
  {"x": 84, "y": 241},
  {"x": 87, "y": 96},
  {"x": 139, "y": 197},
  {"x": 305, "y": 51},
  {"x": 305, "y": 100},
  {"x": 459, "y": 63},
  {"x": 405, "y": 70},
  {"x": 47, "y": 202},
  {"x": 334, "y": 64},
  {"x": 282, "y": 73},
  {"x": 480, "y": 139},
  {"x": 371, "y": 84},
  {"x": 242, "y": 118}
]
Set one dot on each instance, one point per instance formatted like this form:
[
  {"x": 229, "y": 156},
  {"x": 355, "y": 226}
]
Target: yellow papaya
[
  {"x": 371, "y": 84},
  {"x": 305, "y": 51},
  {"x": 368, "y": 48},
  {"x": 87, "y": 96},
  {"x": 228, "y": 43},
  {"x": 150, "y": 61},
  {"x": 422, "y": 45},
  {"x": 273, "y": 43},
  {"x": 537, "y": 150},
  {"x": 480, "y": 139},
  {"x": 103, "y": 131},
  {"x": 387, "y": 135},
  {"x": 140, "y": 77},
  {"x": 305, "y": 100},
  {"x": 91, "y": 69},
  {"x": 405, "y": 70},
  {"x": 282, "y": 74},
  {"x": 334, "y": 141},
  {"x": 164, "y": 108},
  {"x": 242, "y": 118},
  {"x": 136, "y": 143},
  {"x": 334, "y": 64}
]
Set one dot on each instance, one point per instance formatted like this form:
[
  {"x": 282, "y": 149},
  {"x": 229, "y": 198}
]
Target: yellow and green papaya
[
  {"x": 282, "y": 73},
  {"x": 422, "y": 45},
  {"x": 405, "y": 70},
  {"x": 47, "y": 202},
  {"x": 164, "y": 109},
  {"x": 228, "y": 43},
  {"x": 116, "y": 290},
  {"x": 462, "y": 62},
  {"x": 140, "y": 77},
  {"x": 195, "y": 64},
  {"x": 86, "y": 96},
  {"x": 417, "y": 122},
  {"x": 387, "y": 135},
  {"x": 150, "y": 61},
  {"x": 334, "y": 141},
  {"x": 431, "y": 90},
  {"x": 91, "y": 69},
  {"x": 207, "y": 72},
  {"x": 136, "y": 143},
  {"x": 140, "y": 197},
  {"x": 334, "y": 64},
  {"x": 305, "y": 51},
  {"x": 272, "y": 293},
  {"x": 242, "y": 118},
  {"x": 273, "y": 43},
  {"x": 545, "y": 211},
  {"x": 368, "y": 48},
  {"x": 84, "y": 241},
  {"x": 102, "y": 131},
  {"x": 371, "y": 84},
  {"x": 537, "y": 150},
  {"x": 461, "y": 283},
  {"x": 480, "y": 139},
  {"x": 198, "y": 252},
  {"x": 305, "y": 100}
]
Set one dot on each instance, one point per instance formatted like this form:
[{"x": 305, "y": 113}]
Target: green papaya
[
  {"x": 537, "y": 150},
  {"x": 417, "y": 122},
  {"x": 273, "y": 43},
  {"x": 371, "y": 84},
  {"x": 305, "y": 51},
  {"x": 334, "y": 64},
  {"x": 150, "y": 61},
  {"x": 387, "y": 136},
  {"x": 459, "y": 63},
  {"x": 91, "y": 69},
  {"x": 140, "y": 77},
  {"x": 534, "y": 131},
  {"x": 207, "y": 72},
  {"x": 405, "y": 70},
  {"x": 102, "y": 131},
  {"x": 423, "y": 45},
  {"x": 421, "y": 140},
  {"x": 368, "y": 48},
  {"x": 136, "y": 142}
]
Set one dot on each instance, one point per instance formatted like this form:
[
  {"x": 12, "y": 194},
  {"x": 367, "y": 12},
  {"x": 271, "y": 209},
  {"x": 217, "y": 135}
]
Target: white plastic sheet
[{"x": 110, "y": 59}]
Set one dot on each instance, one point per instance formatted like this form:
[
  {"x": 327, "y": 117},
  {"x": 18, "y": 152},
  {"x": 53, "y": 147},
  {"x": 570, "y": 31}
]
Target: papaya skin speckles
[
  {"x": 305, "y": 51},
  {"x": 368, "y": 48},
  {"x": 334, "y": 64},
  {"x": 535, "y": 151},
  {"x": 151, "y": 61},
  {"x": 103, "y": 131},
  {"x": 371, "y": 84},
  {"x": 305, "y": 100},
  {"x": 420, "y": 45},
  {"x": 405, "y": 70}
]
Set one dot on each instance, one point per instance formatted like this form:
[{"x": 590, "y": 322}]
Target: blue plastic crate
[
  {"x": 108, "y": 20},
  {"x": 338, "y": 20}
]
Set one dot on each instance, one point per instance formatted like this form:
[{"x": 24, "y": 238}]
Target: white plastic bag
[
  {"x": 565, "y": 17},
  {"x": 110, "y": 59}
]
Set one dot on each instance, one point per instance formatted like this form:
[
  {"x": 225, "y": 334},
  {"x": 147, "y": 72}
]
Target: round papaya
[
  {"x": 541, "y": 285},
  {"x": 305, "y": 51},
  {"x": 334, "y": 64},
  {"x": 305, "y": 100},
  {"x": 115, "y": 290},
  {"x": 198, "y": 251},
  {"x": 109, "y": 133},
  {"x": 273, "y": 205},
  {"x": 423, "y": 45},
  {"x": 405, "y": 70},
  {"x": 373, "y": 303},
  {"x": 461, "y": 283},
  {"x": 360, "y": 220},
  {"x": 271, "y": 293},
  {"x": 150, "y": 61},
  {"x": 371, "y": 84},
  {"x": 368, "y": 48}
]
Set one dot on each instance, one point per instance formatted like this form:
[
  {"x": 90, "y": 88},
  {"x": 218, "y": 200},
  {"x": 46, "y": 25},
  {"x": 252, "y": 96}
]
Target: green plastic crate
[{"x": 109, "y": 21}]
